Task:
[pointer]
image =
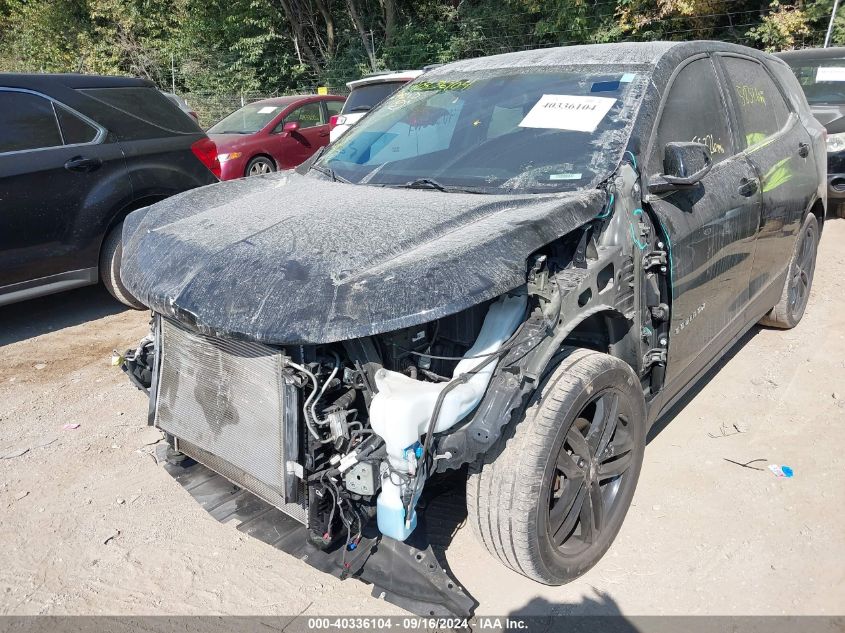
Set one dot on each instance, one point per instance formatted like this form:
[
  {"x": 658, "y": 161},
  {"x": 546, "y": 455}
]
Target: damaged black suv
[{"x": 510, "y": 269}]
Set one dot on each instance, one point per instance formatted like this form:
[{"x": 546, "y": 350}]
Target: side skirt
[
  {"x": 47, "y": 285},
  {"x": 696, "y": 371}
]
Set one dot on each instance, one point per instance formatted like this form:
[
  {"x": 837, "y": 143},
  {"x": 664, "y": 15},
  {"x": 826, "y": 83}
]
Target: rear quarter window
[
  {"x": 148, "y": 105},
  {"x": 75, "y": 131},
  {"x": 367, "y": 97}
]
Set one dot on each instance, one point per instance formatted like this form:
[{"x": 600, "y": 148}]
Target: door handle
[
  {"x": 83, "y": 165},
  {"x": 747, "y": 187},
  {"x": 803, "y": 150},
  {"x": 324, "y": 133}
]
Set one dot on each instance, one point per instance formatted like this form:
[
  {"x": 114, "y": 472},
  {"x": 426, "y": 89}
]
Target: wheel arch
[
  {"x": 817, "y": 208},
  {"x": 120, "y": 216},
  {"x": 607, "y": 331},
  {"x": 261, "y": 155}
]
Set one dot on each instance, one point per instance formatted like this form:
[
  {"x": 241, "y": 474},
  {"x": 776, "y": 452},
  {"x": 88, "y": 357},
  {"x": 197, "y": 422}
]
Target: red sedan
[{"x": 273, "y": 134}]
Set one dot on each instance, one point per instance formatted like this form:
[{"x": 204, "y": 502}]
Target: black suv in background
[
  {"x": 821, "y": 73},
  {"x": 77, "y": 154}
]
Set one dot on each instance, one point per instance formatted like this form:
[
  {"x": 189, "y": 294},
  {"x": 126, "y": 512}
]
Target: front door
[
  {"x": 711, "y": 226},
  {"x": 313, "y": 133}
]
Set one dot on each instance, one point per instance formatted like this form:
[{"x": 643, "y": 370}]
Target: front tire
[
  {"x": 549, "y": 498},
  {"x": 799, "y": 278},
  {"x": 110, "y": 256},
  {"x": 259, "y": 166}
]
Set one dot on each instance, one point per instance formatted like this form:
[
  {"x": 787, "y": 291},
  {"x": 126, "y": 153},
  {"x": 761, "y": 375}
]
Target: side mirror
[
  {"x": 291, "y": 126},
  {"x": 684, "y": 165}
]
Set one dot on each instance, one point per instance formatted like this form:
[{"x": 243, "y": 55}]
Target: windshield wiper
[
  {"x": 424, "y": 183},
  {"x": 328, "y": 171},
  {"x": 430, "y": 183}
]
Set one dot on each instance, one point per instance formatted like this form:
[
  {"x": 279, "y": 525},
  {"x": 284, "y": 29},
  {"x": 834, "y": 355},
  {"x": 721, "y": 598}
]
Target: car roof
[
  {"x": 288, "y": 99},
  {"x": 75, "y": 81},
  {"x": 380, "y": 78},
  {"x": 835, "y": 52},
  {"x": 621, "y": 54}
]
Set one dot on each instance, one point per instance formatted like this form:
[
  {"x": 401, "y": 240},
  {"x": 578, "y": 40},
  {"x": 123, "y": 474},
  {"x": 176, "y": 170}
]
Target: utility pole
[
  {"x": 173, "y": 72},
  {"x": 830, "y": 26}
]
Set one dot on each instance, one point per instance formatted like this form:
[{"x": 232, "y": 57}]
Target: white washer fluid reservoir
[{"x": 401, "y": 410}]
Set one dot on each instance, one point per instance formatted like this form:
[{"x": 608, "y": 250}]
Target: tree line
[{"x": 277, "y": 46}]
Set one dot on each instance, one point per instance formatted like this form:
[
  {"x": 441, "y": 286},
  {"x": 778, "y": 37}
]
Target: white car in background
[{"x": 364, "y": 95}]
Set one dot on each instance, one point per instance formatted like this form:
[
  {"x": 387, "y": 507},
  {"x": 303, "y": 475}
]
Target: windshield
[
  {"x": 823, "y": 80},
  {"x": 502, "y": 131},
  {"x": 247, "y": 120},
  {"x": 367, "y": 97}
]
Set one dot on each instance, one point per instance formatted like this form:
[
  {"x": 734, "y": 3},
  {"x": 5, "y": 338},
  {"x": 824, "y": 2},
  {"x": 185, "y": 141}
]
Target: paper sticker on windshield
[
  {"x": 267, "y": 109},
  {"x": 568, "y": 112},
  {"x": 830, "y": 73}
]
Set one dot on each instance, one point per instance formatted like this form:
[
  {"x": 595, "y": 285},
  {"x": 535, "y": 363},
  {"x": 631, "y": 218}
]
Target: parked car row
[
  {"x": 280, "y": 133},
  {"x": 80, "y": 152}
]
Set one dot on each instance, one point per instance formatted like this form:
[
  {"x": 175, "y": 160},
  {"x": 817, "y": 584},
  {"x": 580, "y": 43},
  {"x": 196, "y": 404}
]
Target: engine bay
[{"x": 365, "y": 411}]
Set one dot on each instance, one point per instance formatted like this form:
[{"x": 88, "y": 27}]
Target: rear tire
[
  {"x": 259, "y": 165},
  {"x": 550, "y": 496},
  {"x": 799, "y": 278},
  {"x": 110, "y": 256}
]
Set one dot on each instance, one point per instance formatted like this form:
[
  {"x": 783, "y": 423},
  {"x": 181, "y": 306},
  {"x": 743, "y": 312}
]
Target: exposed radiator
[{"x": 230, "y": 409}]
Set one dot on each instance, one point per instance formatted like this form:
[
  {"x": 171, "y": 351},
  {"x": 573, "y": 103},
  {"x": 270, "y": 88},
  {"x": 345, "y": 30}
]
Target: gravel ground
[{"x": 89, "y": 524}]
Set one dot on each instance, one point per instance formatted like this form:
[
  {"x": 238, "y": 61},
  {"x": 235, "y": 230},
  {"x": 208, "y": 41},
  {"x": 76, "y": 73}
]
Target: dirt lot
[{"x": 90, "y": 525}]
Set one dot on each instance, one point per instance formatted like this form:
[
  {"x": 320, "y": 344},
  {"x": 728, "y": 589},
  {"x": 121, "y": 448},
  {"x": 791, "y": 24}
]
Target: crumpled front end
[
  {"x": 338, "y": 438},
  {"x": 318, "y": 358}
]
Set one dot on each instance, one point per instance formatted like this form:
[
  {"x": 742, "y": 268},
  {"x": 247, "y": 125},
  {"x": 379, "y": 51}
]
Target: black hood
[{"x": 288, "y": 258}]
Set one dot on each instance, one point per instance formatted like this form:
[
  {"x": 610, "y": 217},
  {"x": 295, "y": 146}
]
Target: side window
[
  {"x": 761, "y": 109},
  {"x": 334, "y": 107},
  {"x": 74, "y": 129},
  {"x": 28, "y": 122},
  {"x": 695, "y": 112},
  {"x": 309, "y": 115},
  {"x": 146, "y": 104}
]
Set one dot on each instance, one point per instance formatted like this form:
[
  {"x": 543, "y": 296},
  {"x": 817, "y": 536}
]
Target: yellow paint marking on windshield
[{"x": 459, "y": 84}]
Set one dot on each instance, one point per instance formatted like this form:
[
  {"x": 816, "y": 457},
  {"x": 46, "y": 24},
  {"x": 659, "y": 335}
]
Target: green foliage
[{"x": 243, "y": 47}]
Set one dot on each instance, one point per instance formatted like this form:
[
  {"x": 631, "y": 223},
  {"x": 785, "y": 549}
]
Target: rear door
[
  {"x": 780, "y": 149},
  {"x": 59, "y": 181},
  {"x": 312, "y": 134},
  {"x": 711, "y": 226}
]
